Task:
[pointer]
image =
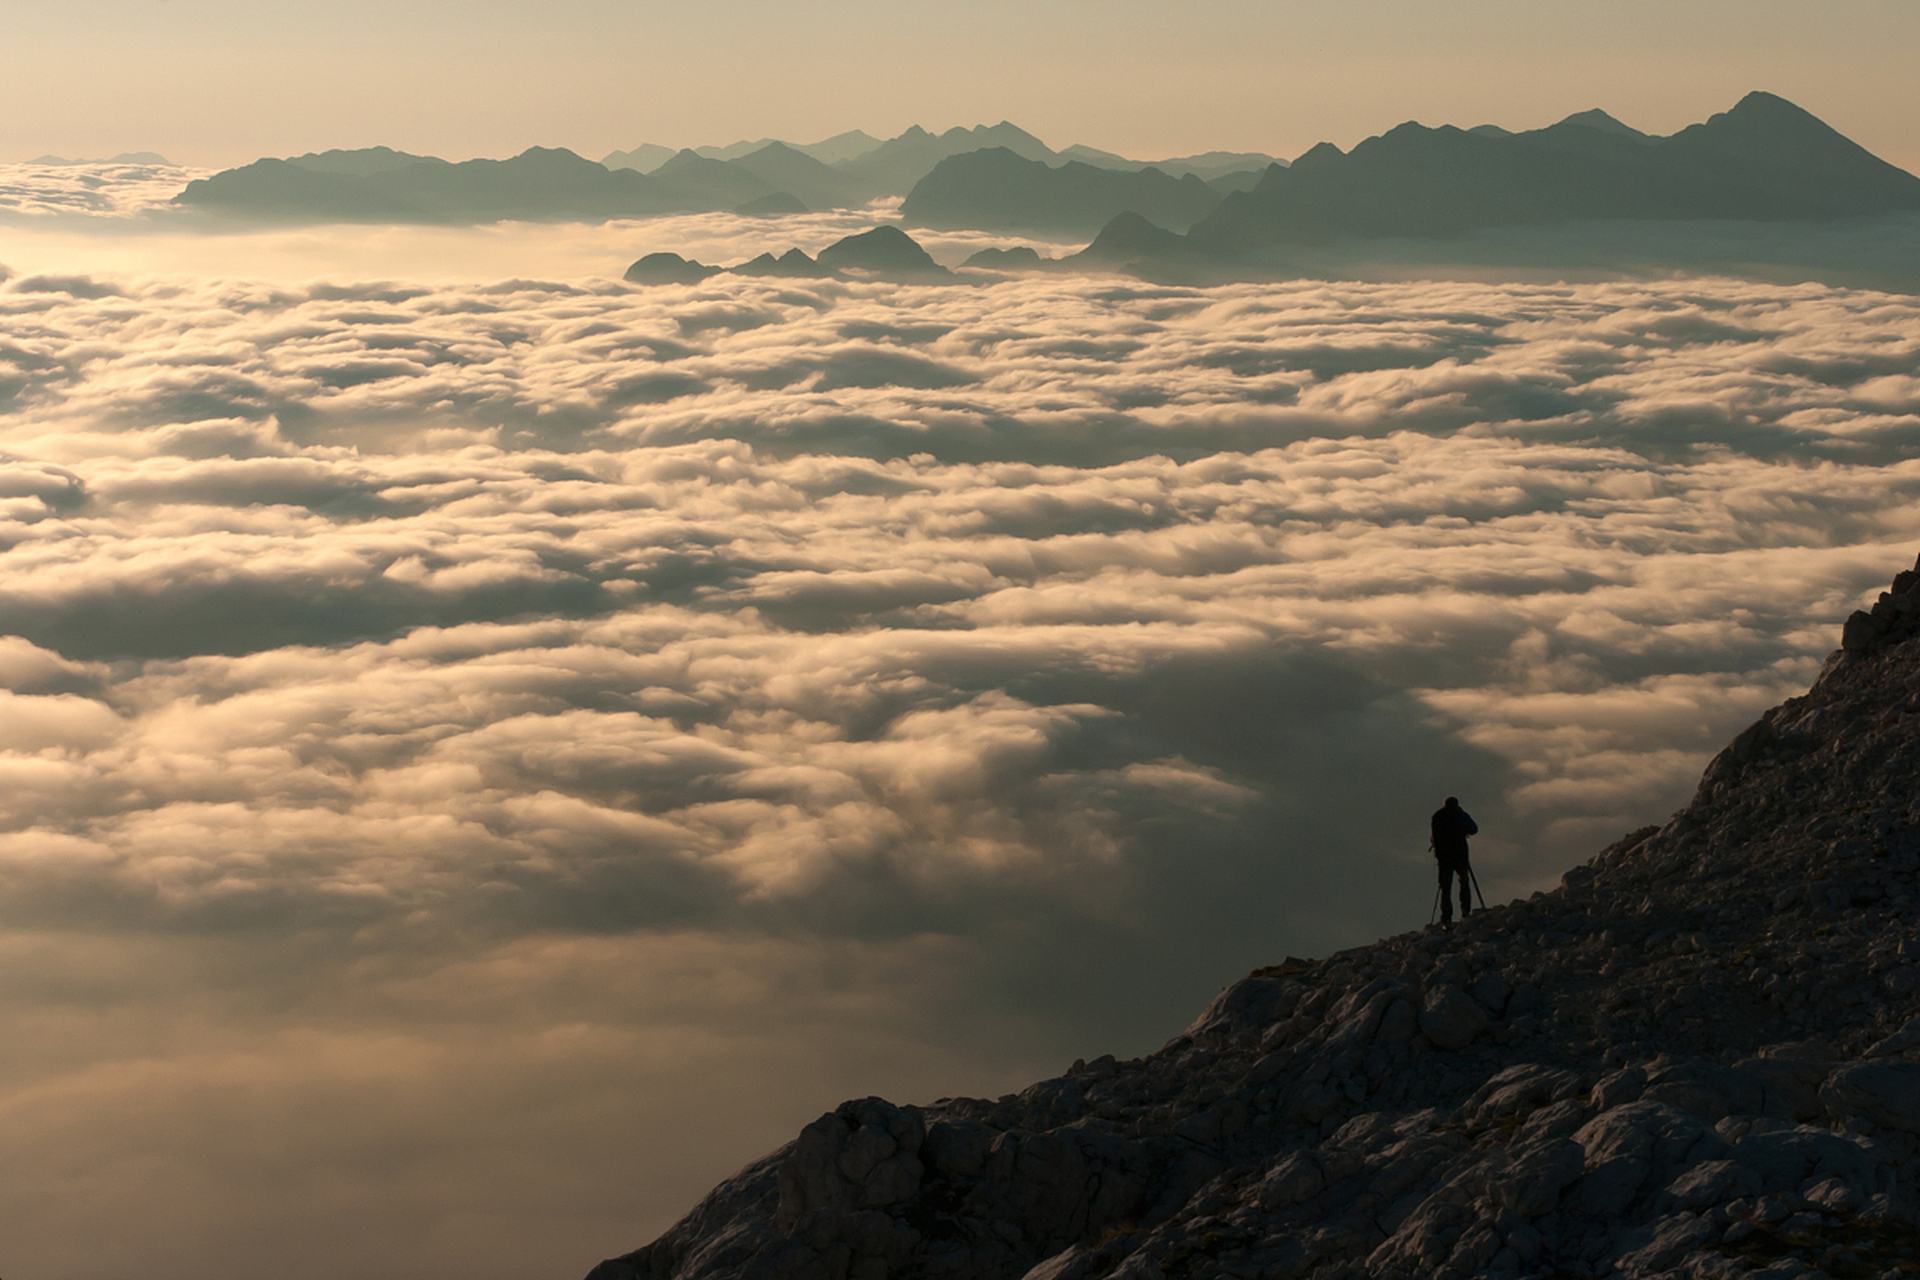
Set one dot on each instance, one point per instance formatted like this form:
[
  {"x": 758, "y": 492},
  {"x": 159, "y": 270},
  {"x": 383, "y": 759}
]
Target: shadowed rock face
[{"x": 1699, "y": 1055}]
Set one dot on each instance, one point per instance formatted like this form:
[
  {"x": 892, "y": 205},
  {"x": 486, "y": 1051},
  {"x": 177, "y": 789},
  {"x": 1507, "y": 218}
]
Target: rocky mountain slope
[{"x": 1698, "y": 1057}]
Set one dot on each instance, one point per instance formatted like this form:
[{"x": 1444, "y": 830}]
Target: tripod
[{"x": 1472, "y": 879}]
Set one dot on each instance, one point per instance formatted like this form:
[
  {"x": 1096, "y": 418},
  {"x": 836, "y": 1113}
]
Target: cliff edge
[{"x": 1700, "y": 1057}]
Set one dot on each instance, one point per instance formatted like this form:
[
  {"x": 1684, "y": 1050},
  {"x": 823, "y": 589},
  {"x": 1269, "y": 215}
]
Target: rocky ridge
[
  {"x": 882, "y": 252},
  {"x": 1698, "y": 1057}
]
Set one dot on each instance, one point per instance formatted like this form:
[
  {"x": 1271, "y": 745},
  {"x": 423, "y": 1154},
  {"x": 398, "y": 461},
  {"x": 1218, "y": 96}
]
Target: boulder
[
  {"x": 1450, "y": 1018},
  {"x": 1870, "y": 1096}
]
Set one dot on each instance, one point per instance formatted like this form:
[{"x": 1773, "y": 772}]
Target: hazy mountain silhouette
[
  {"x": 1764, "y": 160},
  {"x": 785, "y": 168},
  {"x": 381, "y": 184},
  {"x": 844, "y": 171},
  {"x": 841, "y": 147},
  {"x": 360, "y": 163},
  {"x": 668, "y": 268},
  {"x": 645, "y": 158},
  {"x": 793, "y": 263},
  {"x": 893, "y": 168},
  {"x": 1130, "y": 242},
  {"x": 1207, "y": 166},
  {"x": 1228, "y": 183},
  {"x": 125, "y": 157},
  {"x": 1099, "y": 159},
  {"x": 838, "y": 149},
  {"x": 997, "y": 190},
  {"x": 378, "y": 184},
  {"x": 733, "y": 150},
  {"x": 1020, "y": 257},
  {"x": 849, "y": 169},
  {"x": 884, "y": 251},
  {"x": 1598, "y": 119},
  {"x": 776, "y": 205},
  {"x": 697, "y": 182}
]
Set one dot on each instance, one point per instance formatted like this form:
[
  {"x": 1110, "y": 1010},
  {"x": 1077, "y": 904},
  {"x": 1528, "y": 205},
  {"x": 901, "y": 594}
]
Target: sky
[
  {"x": 221, "y": 82},
  {"x": 486, "y": 750}
]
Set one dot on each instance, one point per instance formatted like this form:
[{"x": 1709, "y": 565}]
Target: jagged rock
[
  {"x": 668, "y": 268},
  {"x": 1696, "y": 1058},
  {"x": 1518, "y": 1090},
  {"x": 1541, "y": 1171},
  {"x": 1018, "y": 258},
  {"x": 793, "y": 264},
  {"x": 1450, "y": 1018},
  {"x": 1672, "y": 1238},
  {"x": 886, "y": 251},
  {"x": 1618, "y": 1089},
  {"x": 1869, "y": 1096},
  {"x": 1788, "y": 1156},
  {"x": 1713, "y": 1182},
  {"x": 1296, "y": 1178}
]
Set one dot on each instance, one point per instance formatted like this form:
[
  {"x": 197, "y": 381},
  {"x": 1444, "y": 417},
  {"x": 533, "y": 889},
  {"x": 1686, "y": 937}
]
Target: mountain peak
[
  {"x": 1762, "y": 112},
  {"x": 1595, "y": 118},
  {"x": 1759, "y": 100},
  {"x": 885, "y": 250}
]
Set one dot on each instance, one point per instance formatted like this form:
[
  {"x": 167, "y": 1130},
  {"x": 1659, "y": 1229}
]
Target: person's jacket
[{"x": 1451, "y": 827}]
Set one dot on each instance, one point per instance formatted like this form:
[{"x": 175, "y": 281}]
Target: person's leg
[
  {"x": 1466, "y": 888},
  {"x": 1446, "y": 890}
]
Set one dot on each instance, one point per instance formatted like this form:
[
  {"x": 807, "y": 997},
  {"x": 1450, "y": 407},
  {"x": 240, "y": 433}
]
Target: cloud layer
[{"x": 645, "y": 683}]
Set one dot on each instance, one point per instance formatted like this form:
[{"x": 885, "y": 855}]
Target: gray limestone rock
[
  {"x": 1540, "y": 1172},
  {"x": 1450, "y": 1018},
  {"x": 1874, "y": 1095},
  {"x": 1713, "y": 1182}
]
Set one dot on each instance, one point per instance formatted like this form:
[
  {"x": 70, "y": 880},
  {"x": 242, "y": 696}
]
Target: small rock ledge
[{"x": 1699, "y": 1057}]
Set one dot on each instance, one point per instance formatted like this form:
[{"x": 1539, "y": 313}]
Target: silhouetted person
[{"x": 1451, "y": 827}]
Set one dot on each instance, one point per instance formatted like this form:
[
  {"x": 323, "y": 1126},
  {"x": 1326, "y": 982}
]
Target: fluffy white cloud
[{"x": 1028, "y": 658}]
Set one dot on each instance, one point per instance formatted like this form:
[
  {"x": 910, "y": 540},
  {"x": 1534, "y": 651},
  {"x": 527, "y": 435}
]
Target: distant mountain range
[
  {"x": 841, "y": 147},
  {"x": 125, "y": 157},
  {"x": 763, "y": 177},
  {"x": 381, "y": 185},
  {"x": 997, "y": 190},
  {"x": 1589, "y": 193},
  {"x": 1766, "y": 160}
]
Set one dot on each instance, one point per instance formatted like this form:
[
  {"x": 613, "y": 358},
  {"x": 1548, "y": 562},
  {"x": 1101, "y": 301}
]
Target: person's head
[{"x": 1453, "y": 802}]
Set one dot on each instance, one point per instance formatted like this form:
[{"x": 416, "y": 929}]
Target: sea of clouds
[{"x": 481, "y": 760}]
